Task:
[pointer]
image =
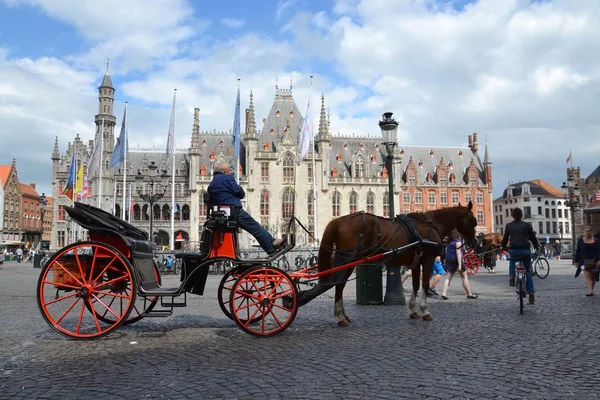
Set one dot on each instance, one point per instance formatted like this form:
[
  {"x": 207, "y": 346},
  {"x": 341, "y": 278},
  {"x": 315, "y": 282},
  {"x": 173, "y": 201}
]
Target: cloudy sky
[{"x": 523, "y": 73}]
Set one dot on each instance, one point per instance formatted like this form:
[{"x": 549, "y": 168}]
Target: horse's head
[{"x": 466, "y": 223}]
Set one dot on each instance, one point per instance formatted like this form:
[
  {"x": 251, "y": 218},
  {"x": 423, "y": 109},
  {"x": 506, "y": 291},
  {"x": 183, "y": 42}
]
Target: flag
[
  {"x": 122, "y": 146},
  {"x": 569, "y": 158},
  {"x": 594, "y": 198},
  {"x": 68, "y": 189},
  {"x": 95, "y": 157},
  {"x": 306, "y": 135},
  {"x": 171, "y": 136},
  {"x": 79, "y": 183},
  {"x": 236, "y": 128},
  {"x": 175, "y": 207}
]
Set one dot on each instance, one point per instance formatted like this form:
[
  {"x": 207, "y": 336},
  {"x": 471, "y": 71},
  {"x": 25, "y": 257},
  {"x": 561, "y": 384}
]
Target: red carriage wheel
[
  {"x": 224, "y": 290},
  {"x": 141, "y": 306},
  {"x": 263, "y": 301},
  {"x": 472, "y": 262},
  {"x": 79, "y": 283}
]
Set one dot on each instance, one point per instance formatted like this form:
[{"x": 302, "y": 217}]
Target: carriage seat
[
  {"x": 220, "y": 216},
  {"x": 139, "y": 245}
]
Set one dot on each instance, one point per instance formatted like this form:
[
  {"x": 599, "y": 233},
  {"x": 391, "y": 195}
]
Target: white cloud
[{"x": 233, "y": 23}]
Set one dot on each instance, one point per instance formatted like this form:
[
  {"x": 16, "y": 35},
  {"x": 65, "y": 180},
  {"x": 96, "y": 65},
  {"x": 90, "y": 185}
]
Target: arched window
[
  {"x": 136, "y": 212},
  {"x": 384, "y": 173},
  {"x": 288, "y": 167},
  {"x": 145, "y": 213},
  {"x": 118, "y": 210},
  {"x": 185, "y": 213},
  {"x": 202, "y": 211},
  {"x": 386, "y": 204},
  {"x": 309, "y": 203},
  {"x": 264, "y": 203},
  {"x": 336, "y": 199},
  {"x": 371, "y": 203},
  {"x": 360, "y": 170},
  {"x": 353, "y": 202},
  {"x": 287, "y": 203},
  {"x": 166, "y": 213},
  {"x": 156, "y": 212}
]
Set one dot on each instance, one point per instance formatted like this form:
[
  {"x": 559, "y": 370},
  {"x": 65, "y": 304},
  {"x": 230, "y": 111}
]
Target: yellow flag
[{"x": 79, "y": 183}]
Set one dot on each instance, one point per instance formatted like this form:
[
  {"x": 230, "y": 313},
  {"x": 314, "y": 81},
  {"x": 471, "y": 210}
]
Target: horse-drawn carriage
[{"x": 87, "y": 289}]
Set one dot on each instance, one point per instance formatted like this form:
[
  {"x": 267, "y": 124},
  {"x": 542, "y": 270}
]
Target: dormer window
[
  {"x": 291, "y": 114},
  {"x": 431, "y": 153},
  {"x": 285, "y": 130},
  {"x": 402, "y": 152},
  {"x": 362, "y": 146},
  {"x": 221, "y": 143},
  {"x": 212, "y": 155},
  {"x": 277, "y": 113},
  {"x": 339, "y": 157},
  {"x": 266, "y": 146},
  {"x": 204, "y": 143},
  {"x": 272, "y": 131},
  {"x": 374, "y": 158},
  {"x": 450, "y": 164},
  {"x": 460, "y": 153},
  {"x": 345, "y": 146},
  {"x": 420, "y": 164}
]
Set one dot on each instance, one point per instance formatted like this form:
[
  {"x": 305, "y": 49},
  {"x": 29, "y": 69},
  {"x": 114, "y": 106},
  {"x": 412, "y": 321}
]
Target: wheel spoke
[
  {"x": 58, "y": 321},
  {"x": 68, "y": 272},
  {"x": 60, "y": 299},
  {"x": 107, "y": 307}
]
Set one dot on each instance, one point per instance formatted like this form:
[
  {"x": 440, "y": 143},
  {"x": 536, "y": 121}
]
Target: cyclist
[{"x": 520, "y": 234}]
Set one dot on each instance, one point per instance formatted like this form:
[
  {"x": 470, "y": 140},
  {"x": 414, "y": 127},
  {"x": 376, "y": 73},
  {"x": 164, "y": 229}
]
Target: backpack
[{"x": 451, "y": 251}]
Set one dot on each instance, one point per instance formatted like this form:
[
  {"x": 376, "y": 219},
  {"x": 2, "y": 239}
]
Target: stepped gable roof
[
  {"x": 28, "y": 190},
  {"x": 284, "y": 118},
  {"x": 4, "y": 173},
  {"x": 138, "y": 160},
  {"x": 221, "y": 143},
  {"x": 349, "y": 148},
  {"x": 457, "y": 159},
  {"x": 537, "y": 187}
]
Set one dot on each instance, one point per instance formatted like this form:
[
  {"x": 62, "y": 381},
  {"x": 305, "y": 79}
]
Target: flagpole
[
  {"x": 237, "y": 161},
  {"x": 172, "y": 236},
  {"x": 115, "y": 198},
  {"x": 129, "y": 205},
  {"x": 101, "y": 162},
  {"x": 314, "y": 177},
  {"x": 125, "y": 150},
  {"x": 571, "y": 158}
]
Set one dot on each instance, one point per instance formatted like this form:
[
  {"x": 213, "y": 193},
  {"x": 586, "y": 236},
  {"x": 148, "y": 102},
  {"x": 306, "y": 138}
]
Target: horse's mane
[{"x": 440, "y": 212}]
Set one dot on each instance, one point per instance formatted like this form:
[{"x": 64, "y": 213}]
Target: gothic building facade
[{"x": 348, "y": 171}]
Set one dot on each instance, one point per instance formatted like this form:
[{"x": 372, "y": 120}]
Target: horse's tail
[{"x": 326, "y": 250}]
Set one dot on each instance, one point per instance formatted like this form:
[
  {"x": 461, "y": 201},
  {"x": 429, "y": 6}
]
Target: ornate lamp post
[
  {"x": 394, "y": 293},
  {"x": 571, "y": 193},
  {"x": 151, "y": 198},
  {"x": 43, "y": 204}
]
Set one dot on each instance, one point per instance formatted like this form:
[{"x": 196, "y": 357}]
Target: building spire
[
  {"x": 195, "y": 143},
  {"x": 251, "y": 122},
  {"x": 323, "y": 133},
  {"x": 107, "y": 82},
  {"x": 56, "y": 153},
  {"x": 486, "y": 158}
]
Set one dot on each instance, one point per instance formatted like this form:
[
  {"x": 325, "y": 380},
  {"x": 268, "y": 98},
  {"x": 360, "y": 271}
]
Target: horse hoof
[
  {"x": 414, "y": 316},
  {"x": 427, "y": 317},
  {"x": 343, "y": 323},
  {"x": 347, "y": 319}
]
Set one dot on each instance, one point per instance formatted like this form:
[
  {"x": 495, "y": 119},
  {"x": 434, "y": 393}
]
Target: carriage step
[
  {"x": 159, "y": 313},
  {"x": 173, "y": 303}
]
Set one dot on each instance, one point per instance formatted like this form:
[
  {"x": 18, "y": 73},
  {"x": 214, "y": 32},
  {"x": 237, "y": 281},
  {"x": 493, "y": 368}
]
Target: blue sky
[{"x": 516, "y": 71}]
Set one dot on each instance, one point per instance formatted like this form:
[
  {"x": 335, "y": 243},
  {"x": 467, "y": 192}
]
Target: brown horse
[
  {"x": 360, "y": 235},
  {"x": 489, "y": 245}
]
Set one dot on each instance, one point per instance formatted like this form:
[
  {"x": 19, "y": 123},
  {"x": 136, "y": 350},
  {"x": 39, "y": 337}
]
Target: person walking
[
  {"x": 587, "y": 258},
  {"x": 454, "y": 264}
]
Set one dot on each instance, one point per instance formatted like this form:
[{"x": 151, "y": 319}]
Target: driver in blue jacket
[{"x": 225, "y": 191}]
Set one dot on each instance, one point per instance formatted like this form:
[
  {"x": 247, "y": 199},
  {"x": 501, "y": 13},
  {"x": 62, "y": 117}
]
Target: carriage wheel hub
[
  {"x": 86, "y": 291},
  {"x": 265, "y": 301}
]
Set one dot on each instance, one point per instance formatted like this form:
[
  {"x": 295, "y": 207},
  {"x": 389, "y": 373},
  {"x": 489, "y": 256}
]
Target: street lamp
[
  {"x": 571, "y": 192},
  {"x": 151, "y": 198},
  {"x": 394, "y": 293},
  {"x": 43, "y": 203}
]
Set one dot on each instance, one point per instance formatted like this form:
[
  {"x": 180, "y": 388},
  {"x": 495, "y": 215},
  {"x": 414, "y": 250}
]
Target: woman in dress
[
  {"x": 587, "y": 258},
  {"x": 454, "y": 264}
]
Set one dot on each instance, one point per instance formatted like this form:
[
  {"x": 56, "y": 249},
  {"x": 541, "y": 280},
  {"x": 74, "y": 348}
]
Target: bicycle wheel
[
  {"x": 541, "y": 268},
  {"x": 521, "y": 294}
]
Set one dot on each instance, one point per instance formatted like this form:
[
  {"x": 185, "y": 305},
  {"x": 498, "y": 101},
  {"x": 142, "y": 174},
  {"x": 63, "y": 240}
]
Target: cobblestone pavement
[{"x": 474, "y": 349}]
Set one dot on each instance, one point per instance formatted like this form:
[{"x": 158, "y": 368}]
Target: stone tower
[
  {"x": 105, "y": 128},
  {"x": 251, "y": 139},
  {"x": 194, "y": 176},
  {"x": 55, "y": 168},
  {"x": 323, "y": 141}
]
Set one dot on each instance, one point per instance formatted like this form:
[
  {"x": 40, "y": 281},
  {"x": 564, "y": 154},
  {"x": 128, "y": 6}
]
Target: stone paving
[{"x": 474, "y": 349}]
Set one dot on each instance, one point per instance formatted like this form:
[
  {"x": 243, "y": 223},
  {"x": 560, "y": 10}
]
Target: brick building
[
  {"x": 589, "y": 212},
  {"x": 47, "y": 220},
  {"x": 11, "y": 231},
  {"x": 31, "y": 216}
]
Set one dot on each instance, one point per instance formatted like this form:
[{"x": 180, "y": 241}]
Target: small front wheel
[{"x": 264, "y": 301}]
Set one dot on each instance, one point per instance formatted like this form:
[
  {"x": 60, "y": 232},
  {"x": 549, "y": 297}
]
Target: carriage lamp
[
  {"x": 43, "y": 204},
  {"x": 394, "y": 293},
  {"x": 571, "y": 192}
]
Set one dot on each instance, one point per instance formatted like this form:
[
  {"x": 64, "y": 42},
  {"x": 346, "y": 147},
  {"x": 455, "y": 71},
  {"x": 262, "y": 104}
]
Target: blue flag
[
  {"x": 306, "y": 135},
  {"x": 122, "y": 145},
  {"x": 68, "y": 189},
  {"x": 175, "y": 207},
  {"x": 236, "y": 128}
]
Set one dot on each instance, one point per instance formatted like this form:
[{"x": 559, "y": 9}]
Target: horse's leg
[
  {"x": 412, "y": 303},
  {"x": 427, "y": 266},
  {"x": 338, "y": 308}
]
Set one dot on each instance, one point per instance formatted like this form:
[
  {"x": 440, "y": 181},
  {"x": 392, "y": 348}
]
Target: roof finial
[
  {"x": 276, "y": 82},
  {"x": 107, "y": 65},
  {"x": 291, "y": 82}
]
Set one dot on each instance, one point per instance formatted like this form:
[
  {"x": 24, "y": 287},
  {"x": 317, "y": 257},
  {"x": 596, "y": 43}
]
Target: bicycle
[
  {"x": 541, "y": 266},
  {"x": 299, "y": 261},
  {"x": 283, "y": 264},
  {"x": 311, "y": 261},
  {"x": 520, "y": 281}
]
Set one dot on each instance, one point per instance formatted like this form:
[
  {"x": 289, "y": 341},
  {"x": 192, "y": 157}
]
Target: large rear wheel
[
  {"x": 224, "y": 290},
  {"x": 81, "y": 282},
  {"x": 541, "y": 267},
  {"x": 521, "y": 294},
  {"x": 472, "y": 262},
  {"x": 264, "y": 301}
]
